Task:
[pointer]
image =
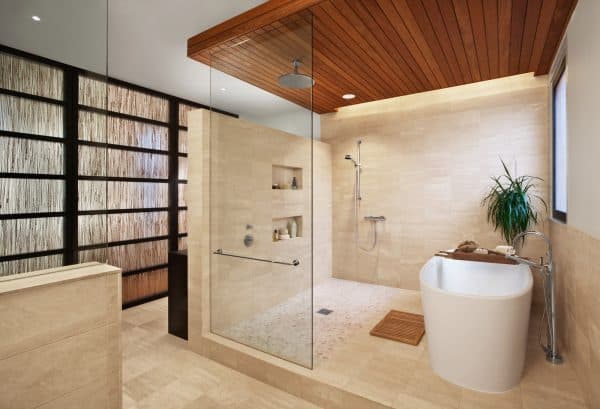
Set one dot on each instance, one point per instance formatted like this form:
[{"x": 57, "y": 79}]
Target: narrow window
[{"x": 559, "y": 161}]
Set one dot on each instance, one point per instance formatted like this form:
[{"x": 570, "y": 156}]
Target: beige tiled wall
[
  {"x": 578, "y": 289},
  {"x": 427, "y": 162},
  {"x": 61, "y": 339}
]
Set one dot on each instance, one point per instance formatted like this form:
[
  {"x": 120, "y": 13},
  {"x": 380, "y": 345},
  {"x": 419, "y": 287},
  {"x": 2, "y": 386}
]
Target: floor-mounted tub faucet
[{"x": 546, "y": 268}]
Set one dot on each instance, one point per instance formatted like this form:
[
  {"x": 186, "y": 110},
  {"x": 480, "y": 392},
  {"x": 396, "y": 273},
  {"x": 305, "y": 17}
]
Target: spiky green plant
[{"x": 509, "y": 203}]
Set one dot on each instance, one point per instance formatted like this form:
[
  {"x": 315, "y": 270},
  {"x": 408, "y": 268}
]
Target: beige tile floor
[{"x": 160, "y": 372}]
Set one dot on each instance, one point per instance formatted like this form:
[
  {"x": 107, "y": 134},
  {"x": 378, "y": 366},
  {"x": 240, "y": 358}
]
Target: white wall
[{"x": 583, "y": 105}]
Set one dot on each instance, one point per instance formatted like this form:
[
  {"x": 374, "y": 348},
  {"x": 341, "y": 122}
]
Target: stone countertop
[{"x": 24, "y": 281}]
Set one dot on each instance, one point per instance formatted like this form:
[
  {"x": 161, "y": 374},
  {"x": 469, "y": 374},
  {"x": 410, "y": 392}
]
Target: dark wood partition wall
[{"x": 91, "y": 169}]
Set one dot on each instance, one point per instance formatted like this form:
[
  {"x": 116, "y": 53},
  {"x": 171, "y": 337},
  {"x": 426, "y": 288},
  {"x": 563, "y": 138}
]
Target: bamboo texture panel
[
  {"x": 183, "y": 141},
  {"x": 121, "y": 195},
  {"x": 182, "y": 243},
  {"x": 30, "y": 156},
  {"x": 183, "y": 168},
  {"x": 182, "y": 188},
  {"x": 22, "y": 75},
  {"x": 182, "y": 221},
  {"x": 184, "y": 109},
  {"x": 20, "y": 236},
  {"x": 29, "y": 116},
  {"x": 30, "y": 264},
  {"x": 123, "y": 100},
  {"x": 122, "y": 226},
  {"x": 31, "y": 195},
  {"x": 144, "y": 285},
  {"x": 121, "y": 163},
  {"x": 131, "y": 256},
  {"x": 96, "y": 127}
]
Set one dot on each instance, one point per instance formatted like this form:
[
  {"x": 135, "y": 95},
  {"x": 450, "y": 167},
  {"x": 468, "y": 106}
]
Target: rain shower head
[{"x": 295, "y": 79}]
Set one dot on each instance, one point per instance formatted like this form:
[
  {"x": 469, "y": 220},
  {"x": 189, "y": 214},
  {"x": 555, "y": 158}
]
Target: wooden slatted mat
[{"x": 401, "y": 326}]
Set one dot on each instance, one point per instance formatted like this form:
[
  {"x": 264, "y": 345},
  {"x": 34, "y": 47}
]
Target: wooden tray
[{"x": 492, "y": 257}]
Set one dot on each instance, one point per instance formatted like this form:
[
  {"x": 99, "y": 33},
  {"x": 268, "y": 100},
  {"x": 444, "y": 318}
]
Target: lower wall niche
[{"x": 284, "y": 222}]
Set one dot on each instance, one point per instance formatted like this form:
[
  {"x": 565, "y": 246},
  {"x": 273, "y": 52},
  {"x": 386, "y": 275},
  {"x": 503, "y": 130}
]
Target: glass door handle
[{"x": 294, "y": 262}]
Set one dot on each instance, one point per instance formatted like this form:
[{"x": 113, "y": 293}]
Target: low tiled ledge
[{"x": 61, "y": 338}]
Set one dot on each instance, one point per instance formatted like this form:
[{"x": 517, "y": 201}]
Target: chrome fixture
[
  {"x": 357, "y": 198},
  {"x": 220, "y": 252},
  {"x": 546, "y": 268},
  {"x": 375, "y": 218},
  {"x": 295, "y": 79}
]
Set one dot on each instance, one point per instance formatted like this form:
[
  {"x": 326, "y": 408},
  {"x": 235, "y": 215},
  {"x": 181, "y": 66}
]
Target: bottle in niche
[
  {"x": 294, "y": 183},
  {"x": 275, "y": 235},
  {"x": 293, "y": 228}
]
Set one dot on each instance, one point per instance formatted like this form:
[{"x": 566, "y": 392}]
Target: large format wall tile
[
  {"x": 83, "y": 306},
  {"x": 30, "y": 156},
  {"x": 96, "y": 127},
  {"x": 30, "y": 264},
  {"x": 29, "y": 77},
  {"x": 30, "y": 235},
  {"x": 427, "y": 162},
  {"x": 29, "y": 116},
  {"x": 122, "y": 226},
  {"x": 31, "y": 196}
]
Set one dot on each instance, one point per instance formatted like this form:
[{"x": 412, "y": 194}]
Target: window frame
[{"x": 556, "y": 214}]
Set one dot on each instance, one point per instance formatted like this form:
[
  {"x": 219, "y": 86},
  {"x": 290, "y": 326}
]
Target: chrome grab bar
[{"x": 220, "y": 252}]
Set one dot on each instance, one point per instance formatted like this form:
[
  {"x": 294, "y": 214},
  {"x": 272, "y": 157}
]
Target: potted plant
[{"x": 510, "y": 204}]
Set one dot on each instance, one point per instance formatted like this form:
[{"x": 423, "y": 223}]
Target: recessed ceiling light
[
  {"x": 223, "y": 89},
  {"x": 348, "y": 96},
  {"x": 36, "y": 18}
]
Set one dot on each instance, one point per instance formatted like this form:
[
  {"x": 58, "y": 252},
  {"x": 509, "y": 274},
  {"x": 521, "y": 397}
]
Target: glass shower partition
[{"x": 261, "y": 190}]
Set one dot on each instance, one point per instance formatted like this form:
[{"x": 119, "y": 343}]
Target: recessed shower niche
[{"x": 284, "y": 177}]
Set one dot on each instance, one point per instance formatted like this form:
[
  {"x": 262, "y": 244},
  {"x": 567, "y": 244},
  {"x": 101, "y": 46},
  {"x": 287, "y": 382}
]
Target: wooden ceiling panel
[{"x": 378, "y": 49}]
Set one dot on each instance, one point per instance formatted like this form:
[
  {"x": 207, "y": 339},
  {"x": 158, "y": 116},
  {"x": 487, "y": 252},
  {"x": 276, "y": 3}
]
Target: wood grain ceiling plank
[
  {"x": 388, "y": 37},
  {"x": 362, "y": 35},
  {"x": 517, "y": 26},
  {"x": 504, "y": 23},
  {"x": 444, "y": 57},
  {"x": 411, "y": 23},
  {"x": 531, "y": 22},
  {"x": 394, "y": 18},
  {"x": 326, "y": 38},
  {"x": 352, "y": 40},
  {"x": 358, "y": 86},
  {"x": 560, "y": 19},
  {"x": 490, "y": 10},
  {"x": 541, "y": 33},
  {"x": 437, "y": 22},
  {"x": 247, "y": 22},
  {"x": 448, "y": 14},
  {"x": 475, "y": 8},
  {"x": 464, "y": 23}
]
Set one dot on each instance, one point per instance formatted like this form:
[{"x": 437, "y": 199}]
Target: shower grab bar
[{"x": 220, "y": 252}]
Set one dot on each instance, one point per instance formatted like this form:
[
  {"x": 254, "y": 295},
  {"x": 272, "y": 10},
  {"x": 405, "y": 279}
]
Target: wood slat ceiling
[{"x": 379, "y": 49}]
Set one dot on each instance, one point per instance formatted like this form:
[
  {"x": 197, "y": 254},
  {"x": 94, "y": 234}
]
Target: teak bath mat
[{"x": 401, "y": 326}]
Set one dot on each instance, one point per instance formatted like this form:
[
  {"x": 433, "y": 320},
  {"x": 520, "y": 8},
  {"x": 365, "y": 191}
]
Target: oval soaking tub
[{"x": 476, "y": 318}]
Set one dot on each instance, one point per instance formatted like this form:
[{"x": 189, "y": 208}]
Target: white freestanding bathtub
[{"x": 476, "y": 318}]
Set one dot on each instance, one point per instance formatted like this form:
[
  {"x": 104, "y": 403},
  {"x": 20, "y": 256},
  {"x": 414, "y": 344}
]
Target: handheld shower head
[{"x": 349, "y": 157}]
